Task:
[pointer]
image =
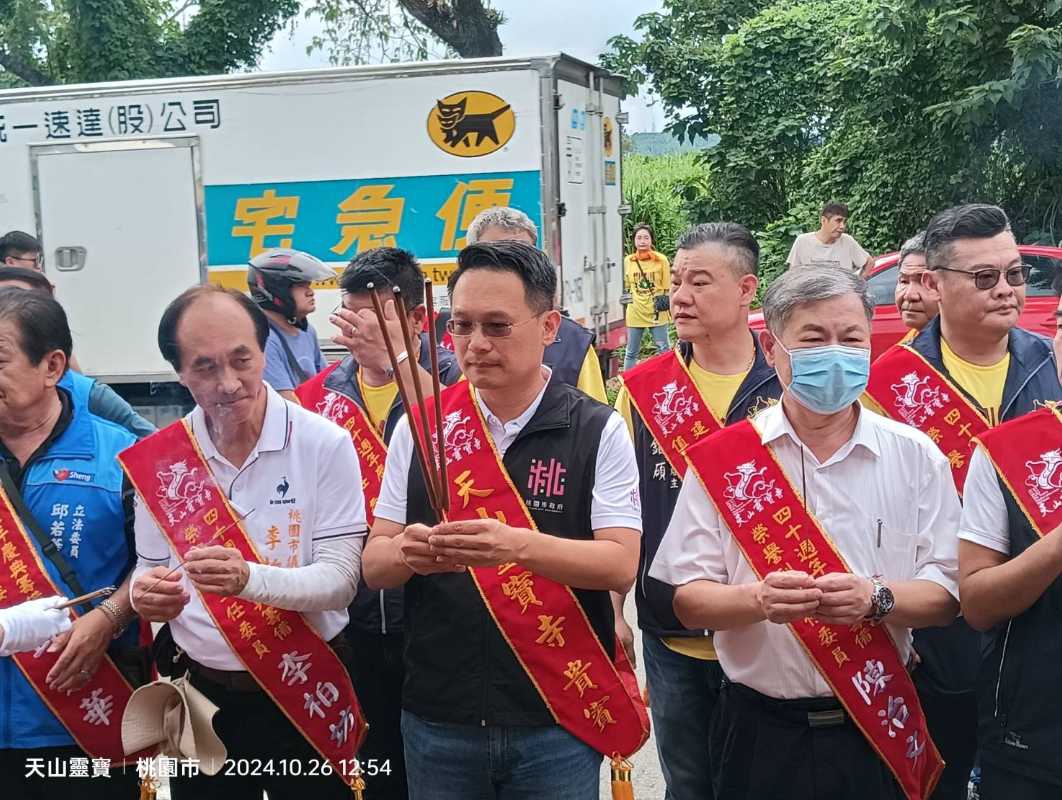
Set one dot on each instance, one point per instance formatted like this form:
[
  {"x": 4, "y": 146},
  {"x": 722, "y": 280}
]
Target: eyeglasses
[
  {"x": 985, "y": 279},
  {"x": 37, "y": 260},
  {"x": 493, "y": 330}
]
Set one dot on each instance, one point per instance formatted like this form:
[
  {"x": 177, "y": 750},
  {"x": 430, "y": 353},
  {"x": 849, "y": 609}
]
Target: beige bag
[{"x": 177, "y": 717}]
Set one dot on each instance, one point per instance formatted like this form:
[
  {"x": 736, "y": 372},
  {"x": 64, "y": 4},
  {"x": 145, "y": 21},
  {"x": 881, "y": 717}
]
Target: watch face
[{"x": 885, "y": 600}]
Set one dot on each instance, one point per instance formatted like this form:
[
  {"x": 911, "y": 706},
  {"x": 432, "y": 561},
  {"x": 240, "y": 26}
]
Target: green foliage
[
  {"x": 73, "y": 41},
  {"x": 665, "y": 192},
  {"x": 897, "y": 107}
]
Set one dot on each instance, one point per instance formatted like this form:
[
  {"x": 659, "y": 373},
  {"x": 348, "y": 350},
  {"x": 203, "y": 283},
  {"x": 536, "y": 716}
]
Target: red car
[{"x": 888, "y": 328}]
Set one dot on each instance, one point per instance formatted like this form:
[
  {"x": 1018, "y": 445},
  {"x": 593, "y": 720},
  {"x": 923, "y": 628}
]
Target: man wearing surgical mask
[{"x": 880, "y": 496}]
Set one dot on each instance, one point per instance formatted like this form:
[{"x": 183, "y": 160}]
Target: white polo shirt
[
  {"x": 616, "y": 501},
  {"x": 300, "y": 489},
  {"x": 887, "y": 473}
]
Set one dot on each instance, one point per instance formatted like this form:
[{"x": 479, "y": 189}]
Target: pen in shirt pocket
[{"x": 880, "y": 523}]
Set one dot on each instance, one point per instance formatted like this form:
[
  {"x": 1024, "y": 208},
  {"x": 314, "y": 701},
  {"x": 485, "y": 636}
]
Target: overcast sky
[{"x": 534, "y": 27}]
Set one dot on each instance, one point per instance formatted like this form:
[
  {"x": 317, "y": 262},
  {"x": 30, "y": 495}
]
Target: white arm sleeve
[{"x": 329, "y": 583}]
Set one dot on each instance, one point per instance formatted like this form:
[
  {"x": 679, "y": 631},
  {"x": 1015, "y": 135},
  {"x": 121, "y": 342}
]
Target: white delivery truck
[{"x": 140, "y": 189}]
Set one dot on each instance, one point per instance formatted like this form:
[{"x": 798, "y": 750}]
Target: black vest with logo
[
  {"x": 660, "y": 486},
  {"x": 1019, "y": 693},
  {"x": 459, "y": 668}
]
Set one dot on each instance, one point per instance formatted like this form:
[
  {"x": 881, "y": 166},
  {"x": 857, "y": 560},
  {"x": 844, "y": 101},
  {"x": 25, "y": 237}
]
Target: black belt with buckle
[{"x": 815, "y": 712}]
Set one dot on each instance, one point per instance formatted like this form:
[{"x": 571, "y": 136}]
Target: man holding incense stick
[
  {"x": 514, "y": 684},
  {"x": 360, "y": 393},
  {"x": 250, "y": 496}
]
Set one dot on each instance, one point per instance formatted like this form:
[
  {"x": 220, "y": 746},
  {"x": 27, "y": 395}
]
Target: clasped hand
[
  {"x": 454, "y": 546},
  {"x": 839, "y": 598}
]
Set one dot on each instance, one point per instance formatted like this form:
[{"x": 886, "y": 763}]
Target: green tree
[
  {"x": 899, "y": 107},
  {"x": 71, "y": 41}
]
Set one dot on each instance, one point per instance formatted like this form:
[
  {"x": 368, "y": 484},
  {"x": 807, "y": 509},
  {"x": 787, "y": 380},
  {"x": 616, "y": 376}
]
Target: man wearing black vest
[
  {"x": 473, "y": 721},
  {"x": 713, "y": 282},
  {"x": 1003, "y": 371},
  {"x": 365, "y": 378},
  {"x": 1010, "y": 581}
]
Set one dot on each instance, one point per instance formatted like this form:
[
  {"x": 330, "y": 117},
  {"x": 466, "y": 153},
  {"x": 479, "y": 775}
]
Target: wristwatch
[{"x": 882, "y": 601}]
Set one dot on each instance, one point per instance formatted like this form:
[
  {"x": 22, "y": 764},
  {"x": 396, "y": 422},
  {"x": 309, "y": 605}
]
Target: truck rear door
[{"x": 110, "y": 213}]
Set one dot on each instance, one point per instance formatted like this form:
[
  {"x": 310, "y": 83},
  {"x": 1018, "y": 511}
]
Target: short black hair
[
  {"x": 834, "y": 209},
  {"x": 26, "y": 275},
  {"x": 528, "y": 263},
  {"x": 970, "y": 221},
  {"x": 171, "y": 318},
  {"x": 41, "y": 322},
  {"x": 385, "y": 268},
  {"x": 14, "y": 242},
  {"x": 738, "y": 237}
]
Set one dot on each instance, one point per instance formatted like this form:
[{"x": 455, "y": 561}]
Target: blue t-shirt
[{"x": 308, "y": 355}]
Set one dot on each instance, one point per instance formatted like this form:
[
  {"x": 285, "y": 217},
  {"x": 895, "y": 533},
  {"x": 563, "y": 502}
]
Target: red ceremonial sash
[
  {"x": 1027, "y": 454},
  {"x": 345, "y": 412},
  {"x": 283, "y": 653},
  {"x": 669, "y": 403},
  {"x": 92, "y": 714},
  {"x": 860, "y": 662},
  {"x": 590, "y": 696},
  {"x": 911, "y": 390}
]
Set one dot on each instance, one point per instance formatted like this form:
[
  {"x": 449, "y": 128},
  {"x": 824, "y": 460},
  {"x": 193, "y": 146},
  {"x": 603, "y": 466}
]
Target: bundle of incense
[{"x": 432, "y": 459}]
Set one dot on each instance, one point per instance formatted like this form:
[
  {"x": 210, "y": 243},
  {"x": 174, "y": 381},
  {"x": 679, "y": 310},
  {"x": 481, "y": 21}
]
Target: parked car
[{"x": 888, "y": 328}]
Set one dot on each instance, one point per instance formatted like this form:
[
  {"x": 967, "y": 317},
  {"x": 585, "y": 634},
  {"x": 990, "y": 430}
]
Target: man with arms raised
[
  {"x": 718, "y": 375},
  {"x": 812, "y": 596},
  {"x": 1011, "y": 586},
  {"x": 255, "y": 500},
  {"x": 514, "y": 683}
]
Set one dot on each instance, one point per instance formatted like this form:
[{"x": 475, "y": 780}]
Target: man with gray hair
[
  {"x": 572, "y": 356},
  {"x": 812, "y": 595},
  {"x": 916, "y": 302}
]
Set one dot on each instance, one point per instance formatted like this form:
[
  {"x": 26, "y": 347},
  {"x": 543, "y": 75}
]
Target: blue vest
[
  {"x": 565, "y": 356},
  {"x": 75, "y": 494}
]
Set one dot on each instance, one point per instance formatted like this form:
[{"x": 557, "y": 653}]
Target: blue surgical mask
[{"x": 828, "y": 379}]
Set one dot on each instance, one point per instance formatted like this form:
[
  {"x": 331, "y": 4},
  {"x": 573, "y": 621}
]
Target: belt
[
  {"x": 242, "y": 681},
  {"x": 815, "y": 712}
]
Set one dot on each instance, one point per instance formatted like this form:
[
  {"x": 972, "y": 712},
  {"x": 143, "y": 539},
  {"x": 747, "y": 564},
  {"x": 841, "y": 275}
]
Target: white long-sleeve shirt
[{"x": 300, "y": 490}]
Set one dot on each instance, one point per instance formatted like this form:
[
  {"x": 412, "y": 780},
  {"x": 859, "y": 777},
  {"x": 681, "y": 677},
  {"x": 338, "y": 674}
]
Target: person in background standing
[
  {"x": 647, "y": 275},
  {"x": 917, "y": 303},
  {"x": 20, "y": 249},
  {"x": 279, "y": 281},
  {"x": 571, "y": 356},
  {"x": 830, "y": 246}
]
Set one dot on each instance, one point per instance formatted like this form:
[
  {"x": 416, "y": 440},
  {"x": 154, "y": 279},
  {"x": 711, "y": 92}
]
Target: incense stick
[
  {"x": 403, "y": 392},
  {"x": 418, "y": 391},
  {"x": 440, "y": 450},
  {"x": 106, "y": 591}
]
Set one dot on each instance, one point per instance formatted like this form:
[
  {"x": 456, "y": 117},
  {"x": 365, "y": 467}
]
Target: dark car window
[
  {"x": 883, "y": 286},
  {"x": 1041, "y": 275}
]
